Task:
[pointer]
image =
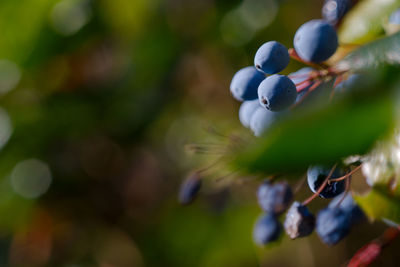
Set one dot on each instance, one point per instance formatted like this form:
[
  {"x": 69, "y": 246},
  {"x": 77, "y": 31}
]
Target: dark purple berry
[
  {"x": 348, "y": 205},
  {"x": 299, "y": 221},
  {"x": 333, "y": 225},
  {"x": 267, "y": 229},
  {"x": 274, "y": 198},
  {"x": 316, "y": 175}
]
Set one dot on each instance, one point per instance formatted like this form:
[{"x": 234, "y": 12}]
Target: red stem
[{"x": 308, "y": 200}]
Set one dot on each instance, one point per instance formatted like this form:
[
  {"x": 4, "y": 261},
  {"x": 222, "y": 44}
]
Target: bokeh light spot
[
  {"x": 31, "y": 178},
  {"x": 69, "y": 16}
]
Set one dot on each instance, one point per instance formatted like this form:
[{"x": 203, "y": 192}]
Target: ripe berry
[
  {"x": 334, "y": 10},
  {"x": 332, "y": 225},
  {"x": 277, "y": 92},
  {"x": 247, "y": 110},
  {"x": 274, "y": 198},
  {"x": 299, "y": 221},
  {"x": 267, "y": 229},
  {"x": 245, "y": 83},
  {"x": 315, "y": 41},
  {"x": 272, "y": 57},
  {"x": 262, "y": 120},
  {"x": 349, "y": 206},
  {"x": 316, "y": 175},
  {"x": 189, "y": 188}
]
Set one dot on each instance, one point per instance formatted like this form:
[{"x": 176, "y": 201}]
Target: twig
[
  {"x": 345, "y": 176},
  {"x": 308, "y": 200}
]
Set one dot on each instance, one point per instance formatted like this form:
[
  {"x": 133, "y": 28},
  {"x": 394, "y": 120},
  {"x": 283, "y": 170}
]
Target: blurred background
[{"x": 99, "y": 100}]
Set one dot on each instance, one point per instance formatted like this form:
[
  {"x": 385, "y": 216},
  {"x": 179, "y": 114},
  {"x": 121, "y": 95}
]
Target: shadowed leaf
[
  {"x": 382, "y": 52},
  {"x": 325, "y": 133},
  {"x": 379, "y": 204}
]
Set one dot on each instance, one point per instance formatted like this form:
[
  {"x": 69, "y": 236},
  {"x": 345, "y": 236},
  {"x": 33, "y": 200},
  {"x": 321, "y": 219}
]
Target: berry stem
[
  {"x": 303, "y": 85},
  {"x": 315, "y": 85},
  {"x": 345, "y": 176},
  {"x": 346, "y": 191},
  {"x": 299, "y": 184},
  {"x": 293, "y": 54},
  {"x": 311, "y": 198}
]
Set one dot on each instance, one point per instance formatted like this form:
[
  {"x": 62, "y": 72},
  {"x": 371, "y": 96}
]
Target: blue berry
[
  {"x": 267, "y": 229},
  {"x": 315, "y": 41},
  {"x": 277, "y": 92},
  {"x": 332, "y": 225},
  {"x": 395, "y": 17},
  {"x": 299, "y": 221},
  {"x": 316, "y": 175},
  {"x": 272, "y": 57},
  {"x": 262, "y": 120},
  {"x": 247, "y": 110},
  {"x": 349, "y": 206},
  {"x": 245, "y": 83},
  {"x": 334, "y": 10},
  {"x": 274, "y": 198},
  {"x": 189, "y": 188}
]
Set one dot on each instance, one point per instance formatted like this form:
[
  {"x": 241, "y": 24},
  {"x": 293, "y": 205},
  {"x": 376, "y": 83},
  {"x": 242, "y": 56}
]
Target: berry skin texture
[
  {"x": 299, "y": 221},
  {"x": 189, "y": 189},
  {"x": 315, "y": 41},
  {"x": 348, "y": 205},
  {"x": 277, "y": 92},
  {"x": 334, "y": 10},
  {"x": 272, "y": 57},
  {"x": 267, "y": 229},
  {"x": 262, "y": 120},
  {"x": 245, "y": 83},
  {"x": 316, "y": 175},
  {"x": 274, "y": 198},
  {"x": 247, "y": 110},
  {"x": 332, "y": 225}
]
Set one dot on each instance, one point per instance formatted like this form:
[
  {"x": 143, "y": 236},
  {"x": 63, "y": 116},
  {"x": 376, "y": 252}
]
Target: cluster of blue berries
[
  {"x": 332, "y": 223},
  {"x": 267, "y": 98},
  {"x": 273, "y": 200}
]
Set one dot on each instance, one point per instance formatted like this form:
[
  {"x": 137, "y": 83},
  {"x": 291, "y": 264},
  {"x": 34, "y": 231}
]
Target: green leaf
[
  {"x": 364, "y": 22},
  {"x": 21, "y": 22},
  {"x": 380, "y": 204},
  {"x": 323, "y": 134},
  {"x": 385, "y": 51}
]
